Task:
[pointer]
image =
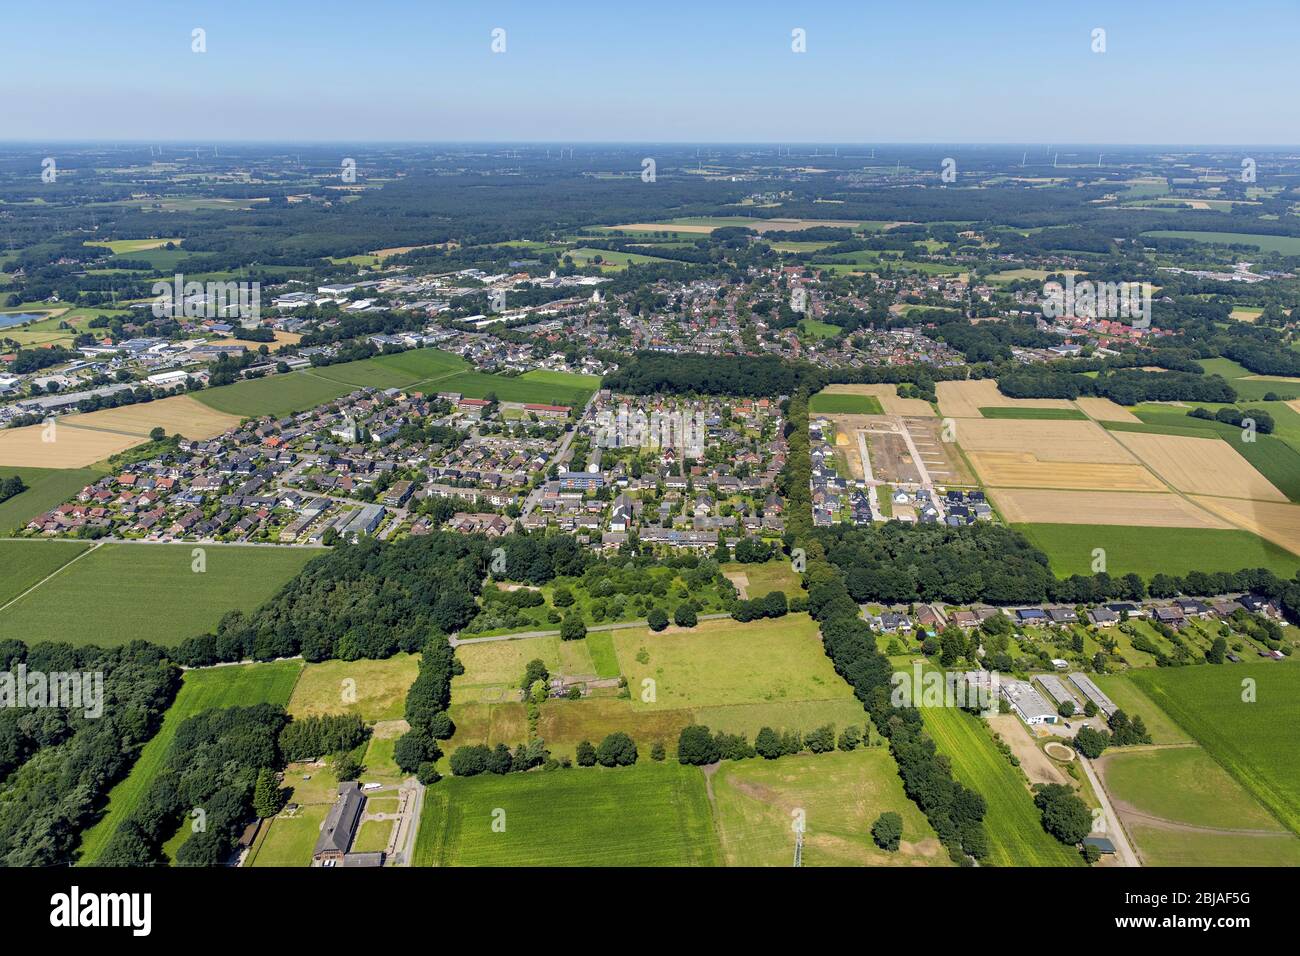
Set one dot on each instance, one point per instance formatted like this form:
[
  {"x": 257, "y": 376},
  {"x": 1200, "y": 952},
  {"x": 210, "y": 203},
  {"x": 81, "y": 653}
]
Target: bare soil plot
[
  {"x": 888, "y": 396},
  {"x": 1023, "y": 470},
  {"x": 942, "y": 459},
  {"x": 1045, "y": 439},
  {"x": 1202, "y": 466},
  {"x": 1103, "y": 409},
  {"x": 891, "y": 460},
  {"x": 1038, "y": 767},
  {"x": 71, "y": 447},
  {"x": 1041, "y": 506},
  {"x": 179, "y": 413},
  {"x": 965, "y": 399},
  {"x": 1272, "y": 521}
]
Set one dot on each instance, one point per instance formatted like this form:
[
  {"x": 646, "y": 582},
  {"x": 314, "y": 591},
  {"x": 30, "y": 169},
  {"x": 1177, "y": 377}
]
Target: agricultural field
[
  {"x": 374, "y": 690},
  {"x": 647, "y": 815},
  {"x": 123, "y": 592},
  {"x": 965, "y": 399},
  {"x": 46, "y": 487},
  {"x": 841, "y": 794},
  {"x": 1033, "y": 414},
  {"x": 1247, "y": 737},
  {"x": 1151, "y": 550},
  {"x": 25, "y": 563},
  {"x": 62, "y": 446},
  {"x": 838, "y": 403},
  {"x": 609, "y": 260},
  {"x": 887, "y": 396},
  {"x": 179, "y": 414},
  {"x": 1201, "y": 466},
  {"x": 1031, "y": 506},
  {"x": 493, "y": 669},
  {"x": 536, "y": 387},
  {"x": 1015, "y": 832},
  {"x": 276, "y": 395},
  {"x": 1287, "y": 245},
  {"x": 1278, "y": 523},
  {"x": 238, "y": 686}
]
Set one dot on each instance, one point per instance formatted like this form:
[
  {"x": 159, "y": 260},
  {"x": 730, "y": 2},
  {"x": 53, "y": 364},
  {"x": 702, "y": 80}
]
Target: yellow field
[
  {"x": 1102, "y": 507},
  {"x": 179, "y": 413},
  {"x": 758, "y": 225},
  {"x": 1201, "y": 466},
  {"x": 71, "y": 447},
  {"x": 285, "y": 338},
  {"x": 1103, "y": 409},
  {"x": 889, "y": 400},
  {"x": 1046, "y": 440},
  {"x": 1004, "y": 469},
  {"x": 965, "y": 399},
  {"x": 1272, "y": 521}
]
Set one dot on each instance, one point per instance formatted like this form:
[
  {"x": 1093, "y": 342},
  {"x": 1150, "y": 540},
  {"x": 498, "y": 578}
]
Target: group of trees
[
  {"x": 474, "y": 759},
  {"x": 773, "y": 604},
  {"x": 210, "y": 775},
  {"x": 13, "y": 485},
  {"x": 1124, "y": 732},
  {"x": 955, "y": 811},
  {"x": 616, "y": 750},
  {"x": 312, "y": 737},
  {"x": 56, "y": 763},
  {"x": 427, "y": 700}
]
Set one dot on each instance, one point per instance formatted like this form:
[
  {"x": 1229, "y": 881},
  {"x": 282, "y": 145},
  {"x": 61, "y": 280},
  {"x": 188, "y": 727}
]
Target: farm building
[
  {"x": 339, "y": 829},
  {"x": 1056, "y": 690},
  {"x": 1028, "y": 703},
  {"x": 1093, "y": 693}
]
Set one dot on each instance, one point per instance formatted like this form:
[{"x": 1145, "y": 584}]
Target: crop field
[
  {"x": 536, "y": 387},
  {"x": 887, "y": 396},
  {"x": 1033, "y": 414},
  {"x": 1103, "y": 409},
  {"x": 1278, "y": 523},
  {"x": 841, "y": 794},
  {"x": 46, "y": 487},
  {"x": 726, "y": 662},
  {"x": 275, "y": 395},
  {"x": 399, "y": 370},
  {"x": 26, "y": 562},
  {"x": 1059, "y": 441},
  {"x": 1287, "y": 245},
  {"x": 647, "y": 815},
  {"x": 1008, "y": 469},
  {"x": 124, "y": 246},
  {"x": 1142, "y": 509},
  {"x": 239, "y": 686},
  {"x": 374, "y": 690},
  {"x": 832, "y": 403},
  {"x": 70, "y": 447},
  {"x": 178, "y": 414},
  {"x": 964, "y": 399},
  {"x": 123, "y": 592},
  {"x": 1201, "y": 466},
  {"x": 1130, "y": 698},
  {"x": 1014, "y": 826},
  {"x": 1148, "y": 551},
  {"x": 1250, "y": 739}
]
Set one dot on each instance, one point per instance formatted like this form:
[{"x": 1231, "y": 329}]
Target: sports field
[
  {"x": 46, "y": 487},
  {"x": 840, "y": 794},
  {"x": 123, "y": 592},
  {"x": 1013, "y": 823},
  {"x": 202, "y": 690},
  {"x": 648, "y": 815},
  {"x": 1152, "y": 550},
  {"x": 831, "y": 403},
  {"x": 1248, "y": 737}
]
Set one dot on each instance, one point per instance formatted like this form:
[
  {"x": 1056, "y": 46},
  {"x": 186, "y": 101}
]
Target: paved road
[{"x": 1114, "y": 830}]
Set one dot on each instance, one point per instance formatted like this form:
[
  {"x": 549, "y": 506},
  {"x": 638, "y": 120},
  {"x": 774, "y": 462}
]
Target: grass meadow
[{"x": 839, "y": 403}]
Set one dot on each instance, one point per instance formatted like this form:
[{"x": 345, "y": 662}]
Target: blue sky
[{"x": 976, "y": 71}]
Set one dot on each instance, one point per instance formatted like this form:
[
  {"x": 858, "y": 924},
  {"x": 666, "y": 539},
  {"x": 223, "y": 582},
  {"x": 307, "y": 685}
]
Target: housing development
[{"x": 409, "y": 505}]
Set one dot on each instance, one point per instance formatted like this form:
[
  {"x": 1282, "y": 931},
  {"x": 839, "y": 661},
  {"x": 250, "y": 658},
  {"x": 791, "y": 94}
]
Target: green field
[
  {"x": 1014, "y": 825},
  {"x": 1149, "y": 551},
  {"x": 1185, "y": 785},
  {"x": 125, "y": 592},
  {"x": 238, "y": 686},
  {"x": 647, "y": 815},
  {"x": 1039, "y": 414},
  {"x": 837, "y": 403},
  {"x": 1253, "y": 741},
  {"x": 46, "y": 487},
  {"x": 26, "y": 562},
  {"x": 1287, "y": 245},
  {"x": 289, "y": 840},
  {"x": 600, "y": 644},
  {"x": 1129, "y": 698},
  {"x": 767, "y": 577},
  {"x": 374, "y": 690},
  {"x": 820, "y": 330},
  {"x": 535, "y": 387},
  {"x": 276, "y": 395},
  {"x": 841, "y": 795}
]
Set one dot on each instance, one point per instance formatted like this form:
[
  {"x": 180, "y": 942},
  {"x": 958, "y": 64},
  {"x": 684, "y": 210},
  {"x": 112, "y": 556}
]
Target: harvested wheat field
[
  {"x": 888, "y": 396},
  {"x": 1200, "y": 466},
  {"x": 179, "y": 413},
  {"x": 1103, "y": 409},
  {"x": 1102, "y": 507},
  {"x": 1272, "y": 521},
  {"x": 965, "y": 399},
  {"x": 1006, "y": 469},
  {"x": 71, "y": 448},
  {"x": 1045, "y": 439}
]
